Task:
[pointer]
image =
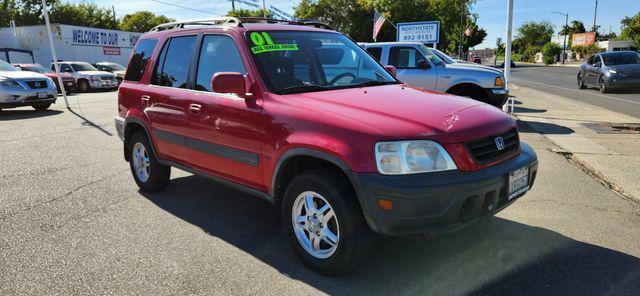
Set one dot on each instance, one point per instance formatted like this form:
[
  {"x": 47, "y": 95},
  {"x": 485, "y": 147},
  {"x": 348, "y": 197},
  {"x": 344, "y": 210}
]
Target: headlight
[
  {"x": 611, "y": 71},
  {"x": 9, "y": 83},
  {"x": 94, "y": 77},
  {"x": 412, "y": 157},
  {"x": 499, "y": 82}
]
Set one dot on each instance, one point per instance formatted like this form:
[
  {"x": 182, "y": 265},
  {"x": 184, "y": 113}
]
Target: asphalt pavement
[
  {"x": 73, "y": 222},
  {"x": 562, "y": 81}
]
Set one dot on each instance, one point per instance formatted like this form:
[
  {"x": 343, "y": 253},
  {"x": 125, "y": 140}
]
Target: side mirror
[
  {"x": 229, "y": 83},
  {"x": 422, "y": 64},
  {"x": 391, "y": 70}
]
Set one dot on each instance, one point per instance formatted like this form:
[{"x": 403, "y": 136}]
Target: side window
[
  {"x": 590, "y": 61},
  {"x": 405, "y": 57},
  {"x": 63, "y": 67},
  {"x": 218, "y": 54},
  {"x": 375, "y": 52},
  {"x": 172, "y": 68},
  {"x": 597, "y": 60},
  {"x": 139, "y": 59}
]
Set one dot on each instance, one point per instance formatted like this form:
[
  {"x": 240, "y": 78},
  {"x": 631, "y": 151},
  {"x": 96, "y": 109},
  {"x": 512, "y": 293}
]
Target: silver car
[
  {"x": 417, "y": 65},
  {"x": 23, "y": 88},
  {"x": 611, "y": 71},
  {"x": 87, "y": 76}
]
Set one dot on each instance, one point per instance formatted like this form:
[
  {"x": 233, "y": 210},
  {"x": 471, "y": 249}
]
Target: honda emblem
[{"x": 499, "y": 143}]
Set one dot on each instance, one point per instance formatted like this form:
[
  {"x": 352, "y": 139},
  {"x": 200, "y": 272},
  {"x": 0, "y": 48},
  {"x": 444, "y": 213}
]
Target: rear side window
[
  {"x": 140, "y": 58},
  {"x": 404, "y": 57},
  {"x": 172, "y": 69},
  {"x": 218, "y": 54},
  {"x": 375, "y": 52}
]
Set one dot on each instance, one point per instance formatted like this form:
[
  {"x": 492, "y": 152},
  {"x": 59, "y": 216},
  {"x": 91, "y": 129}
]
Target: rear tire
[
  {"x": 581, "y": 82},
  {"x": 348, "y": 240},
  {"x": 149, "y": 174},
  {"x": 42, "y": 107}
]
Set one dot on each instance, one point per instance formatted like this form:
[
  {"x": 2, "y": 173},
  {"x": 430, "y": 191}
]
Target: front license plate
[
  {"x": 518, "y": 182},
  {"x": 42, "y": 95},
  {"x": 69, "y": 83}
]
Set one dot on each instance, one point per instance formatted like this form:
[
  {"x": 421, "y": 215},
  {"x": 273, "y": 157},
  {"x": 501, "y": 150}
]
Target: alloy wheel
[
  {"x": 315, "y": 224},
  {"x": 141, "y": 163}
]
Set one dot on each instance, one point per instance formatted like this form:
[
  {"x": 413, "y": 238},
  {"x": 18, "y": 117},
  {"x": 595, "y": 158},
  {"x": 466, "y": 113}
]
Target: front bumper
[
  {"x": 440, "y": 202},
  {"x": 620, "y": 82},
  {"x": 497, "y": 96},
  {"x": 120, "y": 127},
  {"x": 12, "y": 97},
  {"x": 103, "y": 83}
]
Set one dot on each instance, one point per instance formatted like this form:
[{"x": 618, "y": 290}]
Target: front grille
[
  {"x": 486, "y": 150},
  {"x": 37, "y": 84},
  {"x": 106, "y": 78}
]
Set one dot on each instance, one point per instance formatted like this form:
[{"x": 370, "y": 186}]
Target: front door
[
  {"x": 227, "y": 131},
  {"x": 166, "y": 98},
  {"x": 412, "y": 67}
]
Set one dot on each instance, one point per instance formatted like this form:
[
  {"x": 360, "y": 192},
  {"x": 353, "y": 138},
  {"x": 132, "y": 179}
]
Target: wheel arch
[
  {"x": 468, "y": 85},
  {"x": 132, "y": 125}
]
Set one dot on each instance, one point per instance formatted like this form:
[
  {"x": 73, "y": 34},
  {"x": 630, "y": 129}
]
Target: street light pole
[
  {"x": 595, "y": 14},
  {"x": 566, "y": 28},
  {"x": 507, "y": 54}
]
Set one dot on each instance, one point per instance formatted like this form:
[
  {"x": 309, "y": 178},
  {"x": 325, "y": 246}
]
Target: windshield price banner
[
  {"x": 425, "y": 32},
  {"x": 264, "y": 43}
]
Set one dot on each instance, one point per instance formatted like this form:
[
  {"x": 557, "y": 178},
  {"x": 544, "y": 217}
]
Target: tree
[
  {"x": 631, "y": 29},
  {"x": 535, "y": 33},
  {"x": 248, "y": 13},
  {"x": 575, "y": 27},
  {"x": 550, "y": 51},
  {"x": 83, "y": 14},
  {"x": 142, "y": 21},
  {"x": 351, "y": 17}
]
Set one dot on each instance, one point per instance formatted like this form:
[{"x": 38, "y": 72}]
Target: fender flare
[{"x": 137, "y": 121}]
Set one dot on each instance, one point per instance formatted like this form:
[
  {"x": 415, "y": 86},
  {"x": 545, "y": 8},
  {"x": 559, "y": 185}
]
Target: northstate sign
[{"x": 425, "y": 32}]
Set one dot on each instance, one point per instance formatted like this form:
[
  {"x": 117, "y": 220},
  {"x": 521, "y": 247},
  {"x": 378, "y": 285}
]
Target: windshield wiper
[
  {"x": 304, "y": 87},
  {"x": 374, "y": 83}
]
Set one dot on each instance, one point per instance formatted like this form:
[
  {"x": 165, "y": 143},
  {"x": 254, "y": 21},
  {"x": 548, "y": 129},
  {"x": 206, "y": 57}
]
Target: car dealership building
[{"x": 73, "y": 43}]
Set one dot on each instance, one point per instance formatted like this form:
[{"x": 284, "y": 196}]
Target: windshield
[
  {"x": 443, "y": 56},
  {"x": 621, "y": 58},
  {"x": 35, "y": 68},
  {"x": 114, "y": 67},
  {"x": 434, "y": 58},
  {"x": 82, "y": 67},
  {"x": 299, "y": 61},
  {"x": 4, "y": 66}
]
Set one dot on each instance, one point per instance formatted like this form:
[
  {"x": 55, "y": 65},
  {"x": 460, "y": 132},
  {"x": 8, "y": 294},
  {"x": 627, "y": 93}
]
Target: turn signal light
[
  {"x": 385, "y": 204},
  {"x": 499, "y": 81}
]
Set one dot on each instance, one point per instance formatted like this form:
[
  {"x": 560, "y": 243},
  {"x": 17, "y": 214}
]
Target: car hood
[
  {"x": 627, "y": 69},
  {"x": 21, "y": 75},
  {"x": 473, "y": 67},
  {"x": 405, "y": 112},
  {"x": 99, "y": 73}
]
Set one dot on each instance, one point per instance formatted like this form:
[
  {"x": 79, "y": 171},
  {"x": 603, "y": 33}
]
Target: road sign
[
  {"x": 425, "y": 32},
  {"x": 498, "y": 41}
]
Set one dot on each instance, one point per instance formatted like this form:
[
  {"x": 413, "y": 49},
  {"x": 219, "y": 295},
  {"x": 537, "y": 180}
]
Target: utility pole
[
  {"x": 53, "y": 53},
  {"x": 462, "y": 13},
  {"x": 115, "y": 21},
  {"x": 233, "y": 5},
  {"x": 595, "y": 14},
  {"x": 566, "y": 28},
  {"x": 264, "y": 9},
  {"x": 507, "y": 54}
]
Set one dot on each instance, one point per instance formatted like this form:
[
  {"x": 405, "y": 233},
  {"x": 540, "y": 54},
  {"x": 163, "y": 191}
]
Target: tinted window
[
  {"x": 622, "y": 58},
  {"x": 63, "y": 68},
  {"x": 596, "y": 60},
  {"x": 139, "y": 60},
  {"x": 404, "y": 57},
  {"x": 218, "y": 54},
  {"x": 376, "y": 52},
  {"x": 173, "y": 66},
  {"x": 83, "y": 67}
]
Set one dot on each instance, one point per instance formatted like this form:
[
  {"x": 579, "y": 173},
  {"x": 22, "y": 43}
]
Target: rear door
[
  {"x": 166, "y": 99},
  {"x": 226, "y": 132},
  {"x": 406, "y": 60}
]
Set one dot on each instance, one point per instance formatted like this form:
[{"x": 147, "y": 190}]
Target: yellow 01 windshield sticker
[{"x": 264, "y": 43}]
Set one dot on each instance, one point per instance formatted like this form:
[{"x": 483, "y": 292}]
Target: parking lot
[{"x": 72, "y": 221}]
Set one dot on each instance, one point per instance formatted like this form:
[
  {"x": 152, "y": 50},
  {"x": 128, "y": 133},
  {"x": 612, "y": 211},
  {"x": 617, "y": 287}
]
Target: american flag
[{"x": 378, "y": 21}]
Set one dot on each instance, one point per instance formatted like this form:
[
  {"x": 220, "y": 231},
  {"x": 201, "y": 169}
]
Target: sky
[{"x": 492, "y": 14}]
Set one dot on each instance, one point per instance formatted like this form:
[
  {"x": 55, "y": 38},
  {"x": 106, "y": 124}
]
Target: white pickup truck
[{"x": 418, "y": 65}]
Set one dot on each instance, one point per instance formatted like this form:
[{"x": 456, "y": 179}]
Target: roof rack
[
  {"x": 227, "y": 20},
  {"x": 235, "y": 21}
]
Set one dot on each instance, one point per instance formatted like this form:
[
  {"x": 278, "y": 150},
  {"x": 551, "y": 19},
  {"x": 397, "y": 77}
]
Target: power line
[{"x": 184, "y": 7}]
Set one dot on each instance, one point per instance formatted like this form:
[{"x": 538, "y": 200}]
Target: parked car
[
  {"x": 512, "y": 63},
  {"x": 417, "y": 65},
  {"x": 22, "y": 88},
  {"x": 68, "y": 80},
  {"x": 611, "y": 71},
  {"x": 342, "y": 147},
  {"x": 477, "y": 60},
  {"x": 87, "y": 76},
  {"x": 114, "y": 68}
]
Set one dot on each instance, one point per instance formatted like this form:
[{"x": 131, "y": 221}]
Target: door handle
[
  {"x": 195, "y": 108},
  {"x": 145, "y": 99}
]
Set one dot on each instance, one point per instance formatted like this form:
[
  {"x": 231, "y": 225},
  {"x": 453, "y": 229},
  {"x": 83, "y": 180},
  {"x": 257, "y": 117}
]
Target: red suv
[{"x": 301, "y": 116}]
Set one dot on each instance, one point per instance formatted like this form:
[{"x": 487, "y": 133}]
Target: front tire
[
  {"x": 602, "y": 85},
  {"x": 42, "y": 107},
  {"x": 149, "y": 174},
  {"x": 84, "y": 86},
  {"x": 325, "y": 223}
]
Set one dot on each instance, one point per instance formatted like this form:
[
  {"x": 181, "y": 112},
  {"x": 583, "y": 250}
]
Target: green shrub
[{"x": 549, "y": 52}]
